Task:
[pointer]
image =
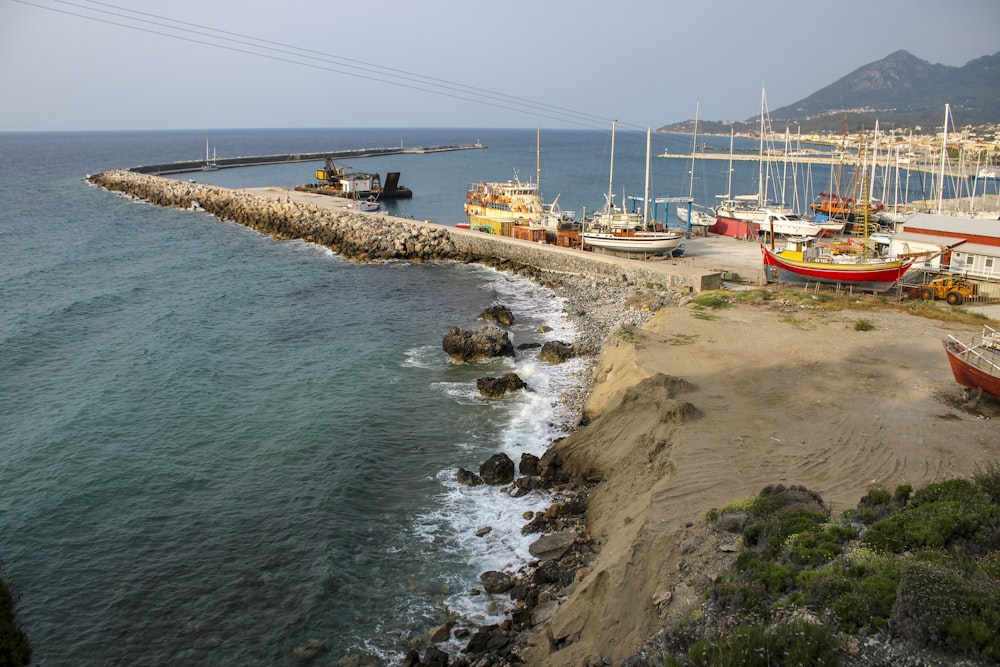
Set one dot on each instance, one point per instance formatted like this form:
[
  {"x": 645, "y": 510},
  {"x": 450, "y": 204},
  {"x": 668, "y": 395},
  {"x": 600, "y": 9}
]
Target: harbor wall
[{"x": 364, "y": 237}]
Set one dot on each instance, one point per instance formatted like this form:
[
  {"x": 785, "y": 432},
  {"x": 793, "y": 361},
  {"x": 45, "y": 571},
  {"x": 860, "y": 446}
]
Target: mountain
[{"x": 900, "y": 90}]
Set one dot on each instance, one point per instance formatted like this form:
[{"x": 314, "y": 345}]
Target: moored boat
[{"x": 976, "y": 364}]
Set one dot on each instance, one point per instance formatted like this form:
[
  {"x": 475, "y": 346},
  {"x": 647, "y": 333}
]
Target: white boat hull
[{"x": 650, "y": 242}]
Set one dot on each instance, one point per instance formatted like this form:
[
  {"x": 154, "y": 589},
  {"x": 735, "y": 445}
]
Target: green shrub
[
  {"x": 863, "y": 325},
  {"x": 938, "y": 608},
  {"x": 712, "y": 299},
  {"x": 936, "y": 525},
  {"x": 795, "y": 643},
  {"x": 955, "y": 490},
  {"x": 987, "y": 478}
]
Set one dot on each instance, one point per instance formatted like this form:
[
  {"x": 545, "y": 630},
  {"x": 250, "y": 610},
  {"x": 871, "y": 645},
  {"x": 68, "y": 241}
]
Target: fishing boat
[
  {"x": 369, "y": 205},
  {"x": 623, "y": 231},
  {"x": 976, "y": 364}
]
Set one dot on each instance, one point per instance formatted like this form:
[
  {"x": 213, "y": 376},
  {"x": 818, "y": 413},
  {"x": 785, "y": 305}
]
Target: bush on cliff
[{"x": 921, "y": 566}]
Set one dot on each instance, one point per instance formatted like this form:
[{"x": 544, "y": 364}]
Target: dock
[
  {"x": 800, "y": 158},
  {"x": 187, "y": 166}
]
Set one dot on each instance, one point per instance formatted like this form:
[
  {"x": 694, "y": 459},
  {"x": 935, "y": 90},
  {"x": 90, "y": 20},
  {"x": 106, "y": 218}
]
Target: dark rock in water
[
  {"x": 528, "y": 465},
  {"x": 552, "y": 547},
  {"x": 308, "y": 651},
  {"x": 468, "y": 477},
  {"x": 501, "y": 386},
  {"x": 528, "y": 346},
  {"x": 555, "y": 352},
  {"x": 544, "y": 329},
  {"x": 498, "y": 469},
  {"x": 498, "y": 313},
  {"x": 490, "y": 341},
  {"x": 496, "y": 582}
]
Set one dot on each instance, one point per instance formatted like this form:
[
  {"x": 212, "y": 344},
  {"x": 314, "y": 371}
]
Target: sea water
[{"x": 216, "y": 448}]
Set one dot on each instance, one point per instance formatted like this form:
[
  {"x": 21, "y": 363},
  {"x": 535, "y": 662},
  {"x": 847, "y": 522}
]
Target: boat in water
[
  {"x": 976, "y": 364},
  {"x": 209, "y": 164},
  {"x": 339, "y": 181}
]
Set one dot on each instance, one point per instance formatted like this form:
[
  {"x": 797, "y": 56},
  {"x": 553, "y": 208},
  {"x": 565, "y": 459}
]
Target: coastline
[
  {"x": 683, "y": 415},
  {"x": 685, "y": 410}
]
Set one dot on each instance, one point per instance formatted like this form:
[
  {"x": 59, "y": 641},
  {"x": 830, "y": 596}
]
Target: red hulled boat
[{"x": 976, "y": 365}]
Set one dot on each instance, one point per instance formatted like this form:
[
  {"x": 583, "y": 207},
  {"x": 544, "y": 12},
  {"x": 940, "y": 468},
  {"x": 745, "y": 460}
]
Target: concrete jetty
[
  {"x": 187, "y": 166},
  {"x": 366, "y": 237}
]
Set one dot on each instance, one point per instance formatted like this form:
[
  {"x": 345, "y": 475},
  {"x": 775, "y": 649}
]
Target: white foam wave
[{"x": 534, "y": 418}]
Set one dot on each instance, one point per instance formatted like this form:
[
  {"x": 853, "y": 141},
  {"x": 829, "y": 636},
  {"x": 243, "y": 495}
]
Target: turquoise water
[{"x": 217, "y": 447}]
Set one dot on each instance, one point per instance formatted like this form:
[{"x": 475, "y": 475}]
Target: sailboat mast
[
  {"x": 611, "y": 176},
  {"x": 694, "y": 146},
  {"x": 538, "y": 158},
  {"x": 761, "y": 188},
  {"x": 645, "y": 199},
  {"x": 944, "y": 157},
  {"x": 729, "y": 186}
]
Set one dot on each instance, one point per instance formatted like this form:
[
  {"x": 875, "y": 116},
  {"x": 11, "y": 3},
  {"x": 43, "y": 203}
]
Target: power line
[{"x": 280, "y": 52}]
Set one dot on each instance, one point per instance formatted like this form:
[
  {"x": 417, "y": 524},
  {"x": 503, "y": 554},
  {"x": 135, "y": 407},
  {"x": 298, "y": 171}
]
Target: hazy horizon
[{"x": 81, "y": 65}]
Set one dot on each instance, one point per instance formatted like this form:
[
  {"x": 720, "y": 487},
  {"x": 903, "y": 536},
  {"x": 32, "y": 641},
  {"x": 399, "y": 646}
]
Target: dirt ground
[{"x": 703, "y": 407}]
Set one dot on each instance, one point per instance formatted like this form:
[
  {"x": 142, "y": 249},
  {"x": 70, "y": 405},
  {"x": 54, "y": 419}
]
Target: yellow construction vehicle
[{"x": 953, "y": 290}]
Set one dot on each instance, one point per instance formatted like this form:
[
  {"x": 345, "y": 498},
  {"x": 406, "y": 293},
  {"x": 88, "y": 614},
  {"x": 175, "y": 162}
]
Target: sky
[{"x": 220, "y": 64}]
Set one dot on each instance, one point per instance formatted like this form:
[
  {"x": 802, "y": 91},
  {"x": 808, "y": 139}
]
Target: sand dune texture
[{"x": 702, "y": 407}]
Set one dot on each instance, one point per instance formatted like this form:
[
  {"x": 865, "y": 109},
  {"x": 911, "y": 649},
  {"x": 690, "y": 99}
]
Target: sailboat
[
  {"x": 752, "y": 208},
  {"x": 693, "y": 217},
  {"x": 818, "y": 263},
  {"x": 620, "y": 230},
  {"x": 209, "y": 165}
]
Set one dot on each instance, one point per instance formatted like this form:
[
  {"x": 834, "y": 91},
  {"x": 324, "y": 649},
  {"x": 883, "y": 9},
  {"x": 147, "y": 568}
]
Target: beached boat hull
[
  {"x": 975, "y": 366},
  {"x": 875, "y": 275},
  {"x": 734, "y": 227},
  {"x": 650, "y": 243}
]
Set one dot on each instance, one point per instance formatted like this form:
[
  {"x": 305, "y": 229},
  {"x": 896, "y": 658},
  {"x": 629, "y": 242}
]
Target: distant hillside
[{"x": 900, "y": 90}]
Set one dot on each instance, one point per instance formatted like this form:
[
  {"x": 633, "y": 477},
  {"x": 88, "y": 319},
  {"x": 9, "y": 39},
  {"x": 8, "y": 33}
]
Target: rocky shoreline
[{"x": 601, "y": 306}]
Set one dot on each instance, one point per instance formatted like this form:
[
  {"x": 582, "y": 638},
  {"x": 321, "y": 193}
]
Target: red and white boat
[
  {"x": 799, "y": 266},
  {"x": 976, "y": 365}
]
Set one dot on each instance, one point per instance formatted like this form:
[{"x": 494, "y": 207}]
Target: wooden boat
[
  {"x": 837, "y": 207},
  {"x": 976, "y": 365},
  {"x": 798, "y": 266}
]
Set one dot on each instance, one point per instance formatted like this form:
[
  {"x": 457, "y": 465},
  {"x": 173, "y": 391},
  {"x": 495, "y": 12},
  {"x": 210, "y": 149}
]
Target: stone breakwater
[
  {"x": 355, "y": 236},
  {"x": 367, "y": 237}
]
